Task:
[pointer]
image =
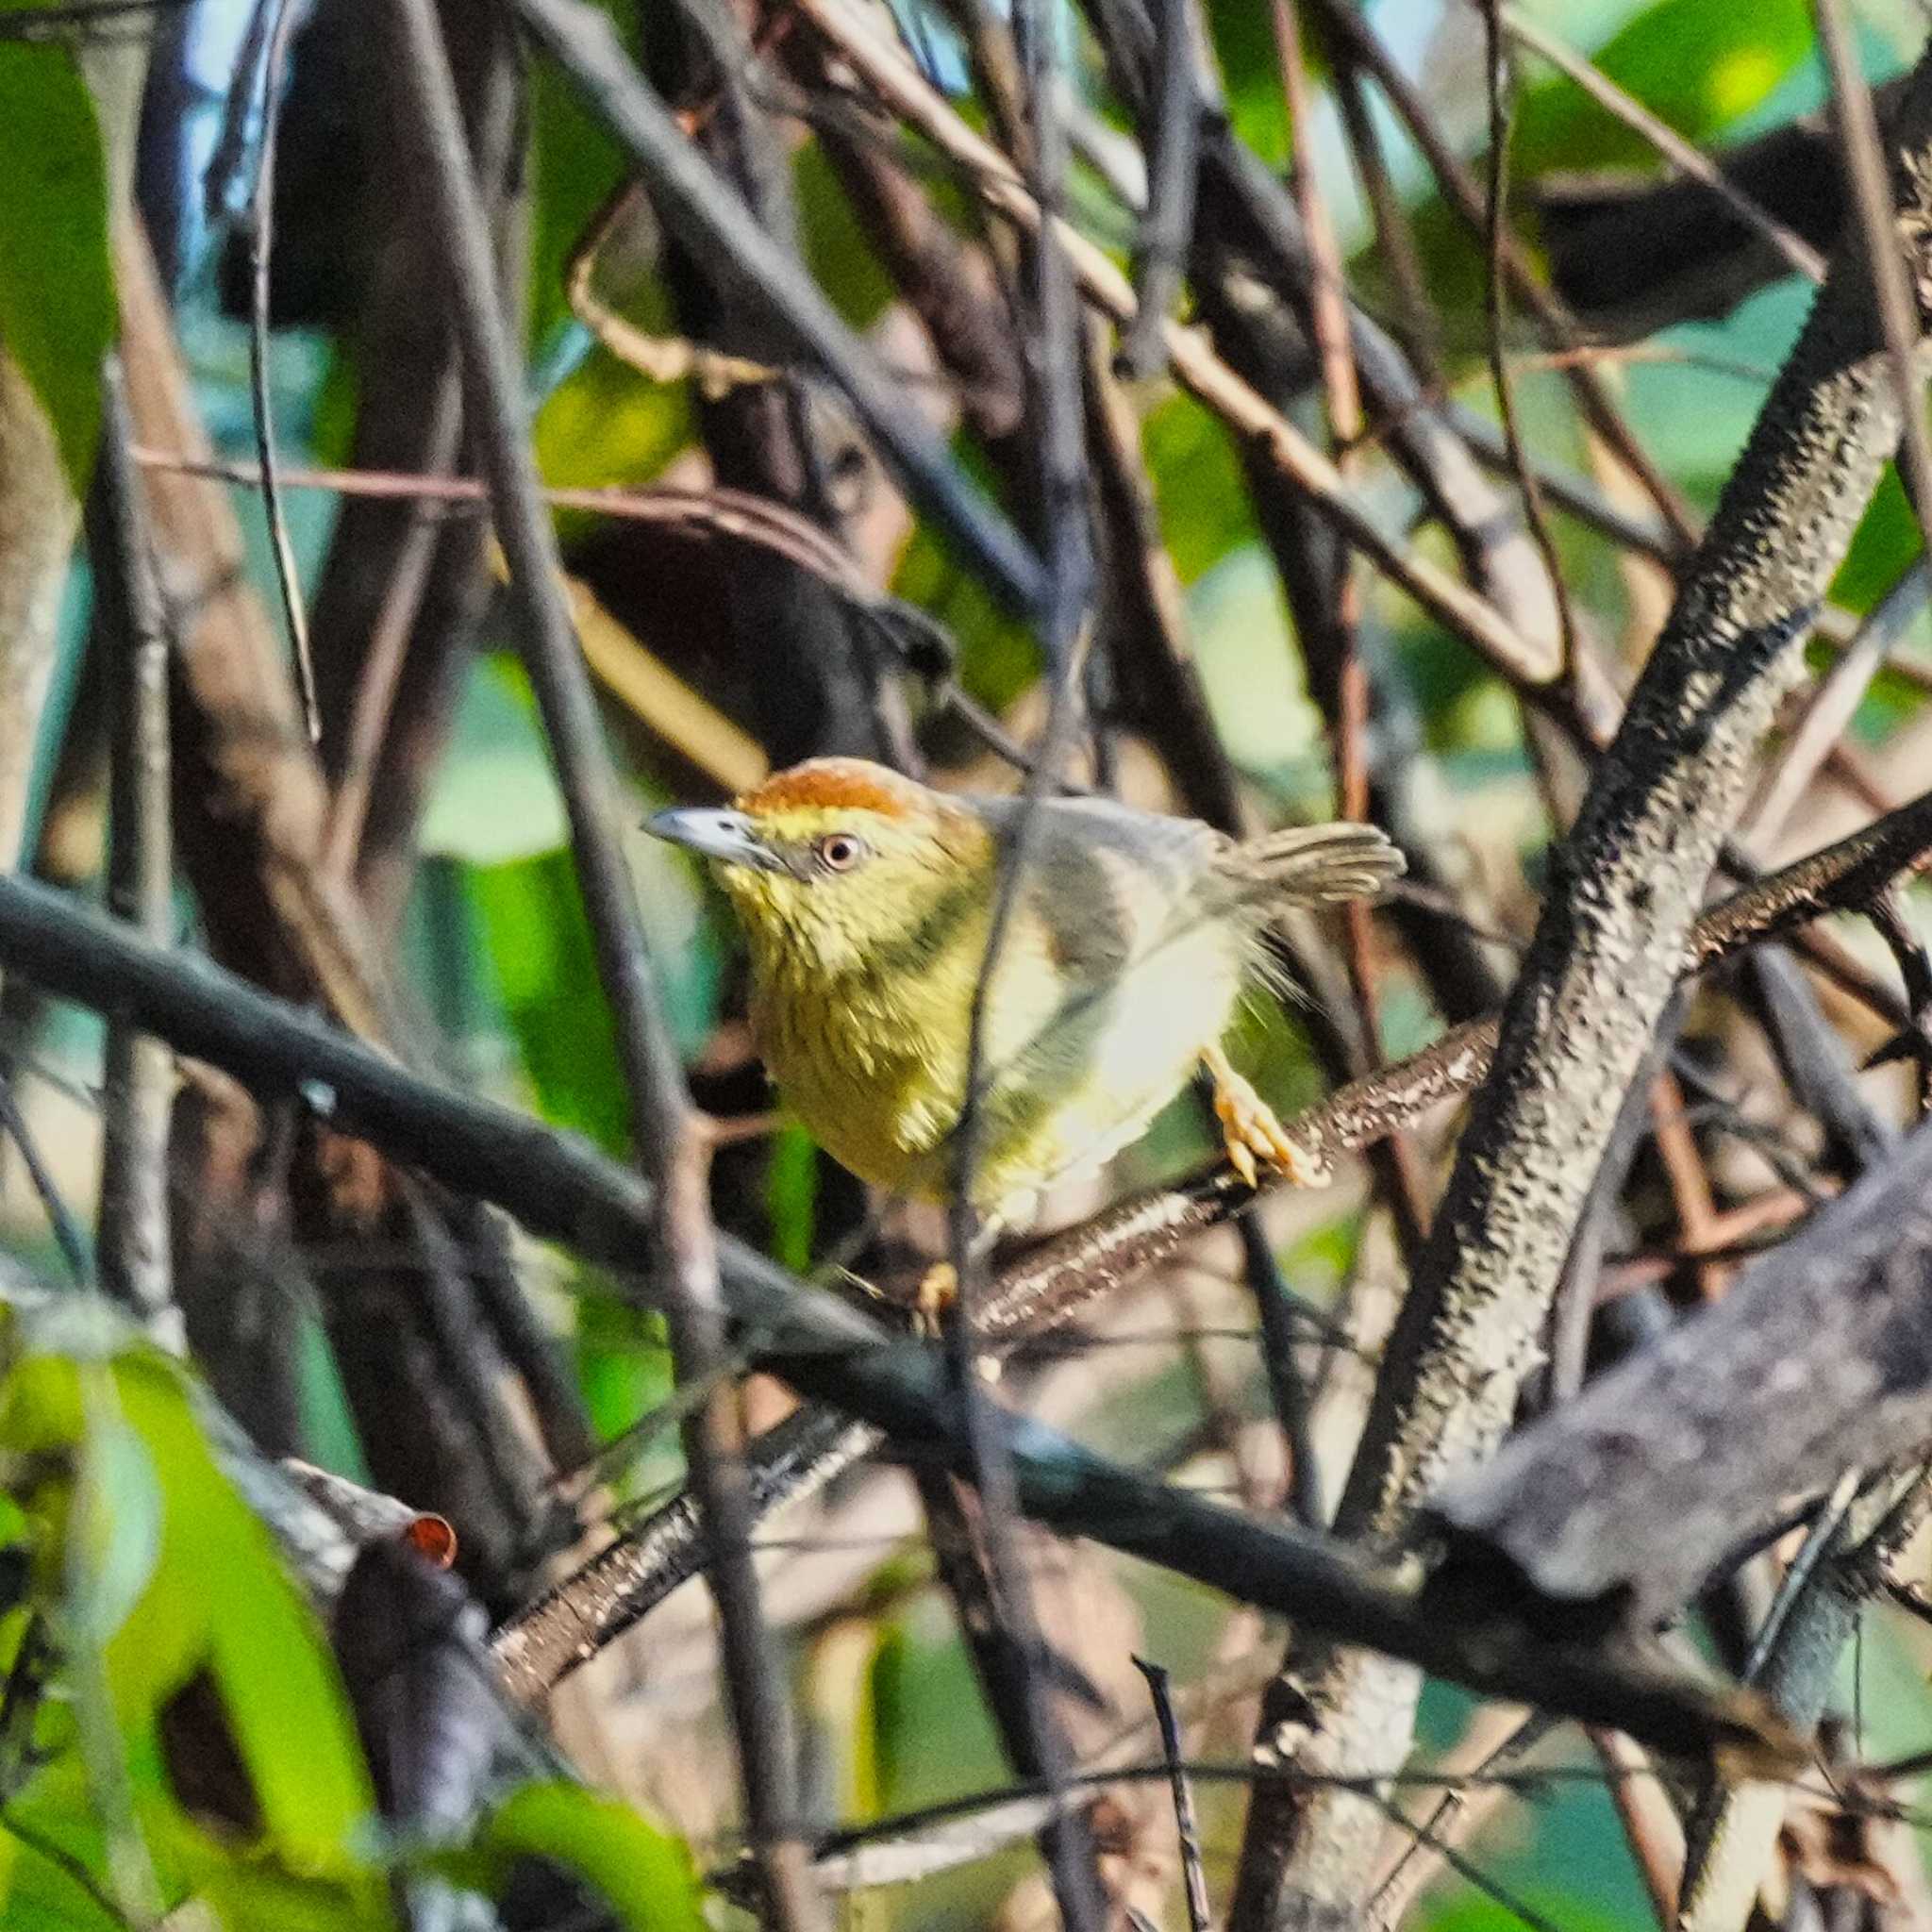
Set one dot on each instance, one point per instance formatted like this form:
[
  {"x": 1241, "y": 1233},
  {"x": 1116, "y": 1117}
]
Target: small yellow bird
[{"x": 867, "y": 900}]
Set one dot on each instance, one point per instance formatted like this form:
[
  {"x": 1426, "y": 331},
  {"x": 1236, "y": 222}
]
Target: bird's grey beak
[{"x": 728, "y": 837}]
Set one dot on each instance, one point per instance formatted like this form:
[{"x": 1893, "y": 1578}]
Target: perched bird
[{"x": 867, "y": 900}]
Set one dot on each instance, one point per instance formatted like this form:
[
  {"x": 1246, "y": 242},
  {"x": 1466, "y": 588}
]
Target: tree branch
[
  {"x": 1069, "y": 1272},
  {"x": 1625, "y": 890},
  {"x": 561, "y": 1190},
  {"x": 714, "y": 224}
]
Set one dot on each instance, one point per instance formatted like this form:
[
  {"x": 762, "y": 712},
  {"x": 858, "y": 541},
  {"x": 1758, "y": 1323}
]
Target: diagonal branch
[
  {"x": 713, "y": 222},
  {"x": 560, "y": 1188},
  {"x": 1046, "y": 1288},
  {"x": 1625, "y": 891},
  {"x": 663, "y": 1121}
]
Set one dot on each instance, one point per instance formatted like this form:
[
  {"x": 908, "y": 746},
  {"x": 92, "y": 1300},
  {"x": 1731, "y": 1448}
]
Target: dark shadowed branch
[
  {"x": 662, "y": 1122},
  {"x": 559, "y": 1188},
  {"x": 139, "y": 1075}
]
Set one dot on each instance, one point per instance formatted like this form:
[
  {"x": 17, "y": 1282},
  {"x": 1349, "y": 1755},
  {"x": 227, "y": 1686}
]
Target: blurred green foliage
[{"x": 56, "y": 290}]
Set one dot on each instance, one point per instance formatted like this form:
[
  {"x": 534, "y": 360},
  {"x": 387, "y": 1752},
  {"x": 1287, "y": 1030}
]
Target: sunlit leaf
[
  {"x": 153, "y": 1516},
  {"x": 540, "y": 949},
  {"x": 1698, "y": 67},
  {"x": 56, "y": 291},
  {"x": 644, "y": 1874},
  {"x": 791, "y": 1195}
]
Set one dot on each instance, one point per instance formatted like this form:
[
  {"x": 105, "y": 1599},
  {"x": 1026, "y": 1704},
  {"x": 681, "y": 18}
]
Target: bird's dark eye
[{"x": 839, "y": 851}]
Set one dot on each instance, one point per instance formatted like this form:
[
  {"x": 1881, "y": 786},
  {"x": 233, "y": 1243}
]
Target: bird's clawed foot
[
  {"x": 1253, "y": 1135},
  {"x": 933, "y": 1299}
]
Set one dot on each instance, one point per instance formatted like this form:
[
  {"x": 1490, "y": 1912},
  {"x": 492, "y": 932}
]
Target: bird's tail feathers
[{"x": 1320, "y": 865}]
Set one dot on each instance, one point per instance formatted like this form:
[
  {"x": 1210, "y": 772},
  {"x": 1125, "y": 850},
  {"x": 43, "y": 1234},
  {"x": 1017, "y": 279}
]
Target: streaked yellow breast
[{"x": 1077, "y": 1064}]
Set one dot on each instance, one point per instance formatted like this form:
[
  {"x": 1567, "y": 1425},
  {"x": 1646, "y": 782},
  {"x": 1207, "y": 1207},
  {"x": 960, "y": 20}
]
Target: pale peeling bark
[
  {"x": 1625, "y": 891},
  {"x": 39, "y": 519},
  {"x": 38, "y": 522}
]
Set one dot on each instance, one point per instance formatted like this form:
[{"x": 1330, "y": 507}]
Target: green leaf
[
  {"x": 575, "y": 165},
  {"x": 56, "y": 288},
  {"x": 148, "y": 1554},
  {"x": 624, "y": 1369},
  {"x": 1249, "y": 61},
  {"x": 538, "y": 944},
  {"x": 834, "y": 246},
  {"x": 792, "y": 1196},
  {"x": 646, "y": 1875},
  {"x": 1882, "y": 548},
  {"x": 1199, "y": 490},
  {"x": 1699, "y": 67},
  {"x": 998, "y": 656},
  {"x": 607, "y": 427}
]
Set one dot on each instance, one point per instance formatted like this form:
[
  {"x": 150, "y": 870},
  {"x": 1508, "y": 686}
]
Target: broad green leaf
[
  {"x": 998, "y": 656},
  {"x": 56, "y": 290},
  {"x": 606, "y": 426},
  {"x": 1245, "y": 43},
  {"x": 834, "y": 246},
  {"x": 644, "y": 1874},
  {"x": 792, "y": 1196},
  {"x": 539, "y": 945},
  {"x": 1199, "y": 493},
  {"x": 1883, "y": 546},
  {"x": 1701, "y": 68},
  {"x": 148, "y": 1513},
  {"x": 574, "y": 164},
  {"x": 624, "y": 1369}
]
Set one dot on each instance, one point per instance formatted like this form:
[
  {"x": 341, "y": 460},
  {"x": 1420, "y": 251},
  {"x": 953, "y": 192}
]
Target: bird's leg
[
  {"x": 1252, "y": 1133},
  {"x": 938, "y": 1287},
  {"x": 933, "y": 1299}
]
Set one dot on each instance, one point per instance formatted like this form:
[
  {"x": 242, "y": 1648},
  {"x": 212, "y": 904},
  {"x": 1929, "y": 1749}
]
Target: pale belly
[{"x": 885, "y": 1101}]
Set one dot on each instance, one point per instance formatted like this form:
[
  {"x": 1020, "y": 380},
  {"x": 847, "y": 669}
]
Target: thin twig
[
  {"x": 1286, "y": 1382},
  {"x": 1648, "y": 1819},
  {"x": 1193, "y": 1875},
  {"x": 1057, "y": 382},
  {"x": 1822, "y": 1533},
  {"x": 663, "y": 1121},
  {"x": 717, "y": 225},
  {"x": 1683, "y": 158},
  {"x": 1331, "y": 644},
  {"x": 1352, "y": 31},
  {"x": 1832, "y": 707},
  {"x": 1476, "y": 1778},
  {"x": 1194, "y": 361},
  {"x": 1172, "y": 143},
  {"x": 1499, "y": 78},
  {"x": 261, "y": 235},
  {"x": 1897, "y": 297}
]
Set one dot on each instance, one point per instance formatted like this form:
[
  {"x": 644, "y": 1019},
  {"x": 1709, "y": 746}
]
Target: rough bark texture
[
  {"x": 1819, "y": 1360},
  {"x": 1624, "y": 889}
]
